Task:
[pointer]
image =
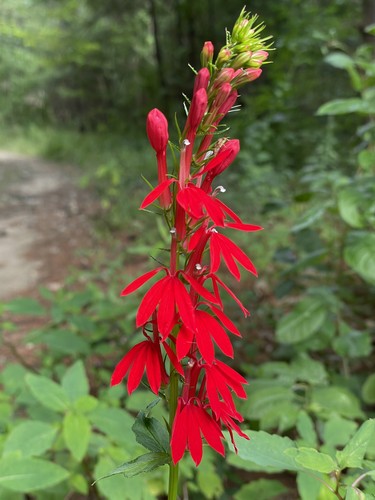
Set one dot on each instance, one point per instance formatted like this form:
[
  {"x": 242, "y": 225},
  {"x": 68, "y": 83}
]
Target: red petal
[
  {"x": 234, "y": 379},
  {"x": 166, "y": 311},
  {"x": 229, "y": 261},
  {"x": 219, "y": 158},
  {"x": 211, "y": 431},
  {"x": 238, "y": 254},
  {"x": 150, "y": 302},
  {"x": 218, "y": 333},
  {"x": 179, "y": 433},
  {"x": 213, "y": 210},
  {"x": 137, "y": 283},
  {"x": 200, "y": 289},
  {"x": 155, "y": 193},
  {"x": 136, "y": 371},
  {"x": 123, "y": 366},
  {"x": 190, "y": 202},
  {"x": 229, "y": 325},
  {"x": 194, "y": 435},
  {"x": 228, "y": 211},
  {"x": 204, "y": 341},
  {"x": 184, "y": 304},
  {"x": 229, "y": 291},
  {"x": 172, "y": 356},
  {"x": 243, "y": 227},
  {"x": 195, "y": 238},
  {"x": 214, "y": 253},
  {"x": 153, "y": 369},
  {"x": 184, "y": 342}
]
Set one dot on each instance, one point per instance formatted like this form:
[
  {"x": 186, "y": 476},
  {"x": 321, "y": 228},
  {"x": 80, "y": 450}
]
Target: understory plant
[{"x": 182, "y": 314}]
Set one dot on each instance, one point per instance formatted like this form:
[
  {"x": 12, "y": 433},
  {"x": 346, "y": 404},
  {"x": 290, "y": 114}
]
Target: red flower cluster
[{"x": 183, "y": 320}]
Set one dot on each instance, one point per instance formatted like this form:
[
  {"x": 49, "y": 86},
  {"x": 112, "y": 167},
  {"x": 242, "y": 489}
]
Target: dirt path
[{"x": 44, "y": 219}]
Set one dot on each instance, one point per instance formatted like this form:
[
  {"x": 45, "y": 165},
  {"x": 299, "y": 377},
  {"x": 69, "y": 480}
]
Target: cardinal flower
[
  {"x": 143, "y": 356},
  {"x": 192, "y": 421}
]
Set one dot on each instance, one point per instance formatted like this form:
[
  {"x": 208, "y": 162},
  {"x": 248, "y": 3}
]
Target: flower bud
[
  {"x": 243, "y": 76},
  {"x": 223, "y": 57},
  {"x": 242, "y": 60},
  {"x": 207, "y": 54},
  {"x": 157, "y": 130},
  {"x": 259, "y": 56},
  {"x": 201, "y": 80},
  {"x": 197, "y": 109},
  {"x": 225, "y": 75},
  {"x": 222, "y": 95},
  {"x": 228, "y": 104}
]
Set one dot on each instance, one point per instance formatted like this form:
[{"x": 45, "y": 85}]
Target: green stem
[{"x": 173, "y": 469}]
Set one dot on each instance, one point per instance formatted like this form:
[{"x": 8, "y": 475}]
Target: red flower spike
[
  {"x": 157, "y": 130},
  {"x": 145, "y": 355},
  {"x": 190, "y": 423},
  {"x": 220, "y": 245}
]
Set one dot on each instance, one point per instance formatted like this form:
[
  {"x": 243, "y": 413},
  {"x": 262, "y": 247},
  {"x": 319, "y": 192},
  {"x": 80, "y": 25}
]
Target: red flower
[
  {"x": 190, "y": 423},
  {"x": 157, "y": 130},
  {"x": 220, "y": 380},
  {"x": 208, "y": 330},
  {"x": 220, "y": 245},
  {"x": 143, "y": 356},
  {"x": 226, "y": 417}
]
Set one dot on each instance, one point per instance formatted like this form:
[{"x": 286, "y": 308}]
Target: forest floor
[{"x": 45, "y": 218}]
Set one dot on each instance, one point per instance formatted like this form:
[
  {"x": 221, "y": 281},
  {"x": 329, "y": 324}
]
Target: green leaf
[
  {"x": 313, "y": 459},
  {"x": 143, "y": 463},
  {"x": 79, "y": 483},
  {"x": 261, "y": 489},
  {"x": 308, "y": 486},
  {"x": 77, "y": 432},
  {"x": 262, "y": 400},
  {"x": 86, "y": 404},
  {"x": 368, "y": 390},
  {"x": 65, "y": 341},
  {"x": 366, "y": 159},
  {"x": 24, "y": 305},
  {"x": 350, "y": 208},
  {"x": 75, "y": 382},
  {"x": 309, "y": 218},
  {"x": 150, "y": 433},
  {"x": 331, "y": 400},
  {"x": 302, "y": 322},
  {"x": 339, "y": 60},
  {"x": 337, "y": 431},
  {"x": 342, "y": 106},
  {"x": 116, "y": 424},
  {"x": 266, "y": 450},
  {"x": 359, "y": 254},
  {"x": 306, "y": 429},
  {"x": 47, "y": 392},
  {"x": 209, "y": 482},
  {"x": 354, "y": 494},
  {"x": 30, "y": 474},
  {"x": 352, "y": 343},
  {"x": 353, "y": 453},
  {"x": 30, "y": 438}
]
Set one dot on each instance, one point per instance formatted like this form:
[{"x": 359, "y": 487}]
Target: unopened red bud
[
  {"x": 207, "y": 54},
  {"x": 197, "y": 109},
  {"x": 222, "y": 95},
  {"x": 245, "y": 76},
  {"x": 232, "y": 148},
  {"x": 157, "y": 130},
  {"x": 228, "y": 104},
  {"x": 225, "y": 75},
  {"x": 201, "y": 80}
]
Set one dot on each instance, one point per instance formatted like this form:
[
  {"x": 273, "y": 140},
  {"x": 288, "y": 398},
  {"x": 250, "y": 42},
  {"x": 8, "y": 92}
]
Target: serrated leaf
[
  {"x": 76, "y": 432},
  {"x": 313, "y": 459},
  {"x": 150, "y": 433},
  {"x": 368, "y": 390},
  {"x": 359, "y": 254},
  {"x": 30, "y": 474},
  {"x": 353, "y": 453},
  {"x": 24, "y": 305},
  {"x": 47, "y": 392},
  {"x": 75, "y": 382},
  {"x": 30, "y": 438},
  {"x": 143, "y": 463},
  {"x": 302, "y": 322},
  {"x": 266, "y": 450}
]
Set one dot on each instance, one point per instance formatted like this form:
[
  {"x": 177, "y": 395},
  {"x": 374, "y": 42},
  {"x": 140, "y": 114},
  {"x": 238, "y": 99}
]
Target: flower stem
[{"x": 173, "y": 469}]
